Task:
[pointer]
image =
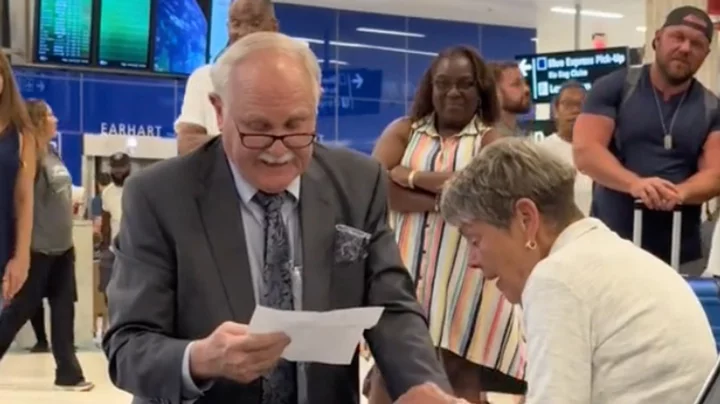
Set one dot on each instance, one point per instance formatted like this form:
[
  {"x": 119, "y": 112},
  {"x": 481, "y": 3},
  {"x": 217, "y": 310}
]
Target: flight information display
[
  {"x": 547, "y": 72},
  {"x": 124, "y": 33},
  {"x": 64, "y": 31}
]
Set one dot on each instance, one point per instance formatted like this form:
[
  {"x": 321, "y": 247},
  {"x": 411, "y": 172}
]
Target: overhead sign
[
  {"x": 348, "y": 91},
  {"x": 547, "y": 72}
]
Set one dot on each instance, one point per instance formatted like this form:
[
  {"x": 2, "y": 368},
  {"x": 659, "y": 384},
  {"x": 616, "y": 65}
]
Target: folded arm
[
  {"x": 389, "y": 151},
  {"x": 400, "y": 342},
  {"x": 705, "y": 184},
  {"x": 144, "y": 357}
]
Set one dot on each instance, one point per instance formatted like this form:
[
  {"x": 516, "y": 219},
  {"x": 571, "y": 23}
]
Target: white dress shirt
[
  {"x": 197, "y": 108},
  {"x": 583, "y": 184},
  {"x": 608, "y": 323}
]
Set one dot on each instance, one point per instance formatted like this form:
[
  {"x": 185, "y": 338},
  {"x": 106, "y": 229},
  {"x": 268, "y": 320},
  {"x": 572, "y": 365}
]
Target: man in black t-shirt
[{"x": 659, "y": 142}]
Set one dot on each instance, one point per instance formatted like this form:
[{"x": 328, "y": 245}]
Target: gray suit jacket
[{"x": 181, "y": 270}]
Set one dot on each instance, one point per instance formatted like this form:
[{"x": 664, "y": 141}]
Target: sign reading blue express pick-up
[{"x": 547, "y": 72}]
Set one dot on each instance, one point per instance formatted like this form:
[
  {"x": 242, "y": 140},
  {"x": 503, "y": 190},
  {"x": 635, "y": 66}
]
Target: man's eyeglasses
[{"x": 261, "y": 141}]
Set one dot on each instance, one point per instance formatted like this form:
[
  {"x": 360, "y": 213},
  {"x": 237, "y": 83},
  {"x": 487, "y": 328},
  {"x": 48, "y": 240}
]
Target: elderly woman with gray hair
[{"x": 605, "y": 321}]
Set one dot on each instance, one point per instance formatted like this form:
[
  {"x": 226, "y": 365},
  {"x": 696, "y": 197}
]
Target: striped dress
[{"x": 467, "y": 314}]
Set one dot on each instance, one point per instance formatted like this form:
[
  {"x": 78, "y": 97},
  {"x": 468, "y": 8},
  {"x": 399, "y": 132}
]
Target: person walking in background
[
  {"x": 17, "y": 173},
  {"x": 111, "y": 198},
  {"x": 451, "y": 118},
  {"x": 52, "y": 263},
  {"x": 566, "y": 107},
  {"x": 514, "y": 95},
  {"x": 653, "y": 134},
  {"x": 197, "y": 122},
  {"x": 37, "y": 322}
]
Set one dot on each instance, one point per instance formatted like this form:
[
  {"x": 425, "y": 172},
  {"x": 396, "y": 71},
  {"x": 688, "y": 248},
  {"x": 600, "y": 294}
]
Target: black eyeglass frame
[{"x": 270, "y": 139}]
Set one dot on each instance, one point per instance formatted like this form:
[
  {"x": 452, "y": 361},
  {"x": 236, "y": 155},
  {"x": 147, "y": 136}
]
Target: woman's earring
[{"x": 531, "y": 245}]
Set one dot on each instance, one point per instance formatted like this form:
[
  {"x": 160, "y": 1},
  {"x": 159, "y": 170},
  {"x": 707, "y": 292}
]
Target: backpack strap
[
  {"x": 711, "y": 105},
  {"x": 632, "y": 79}
]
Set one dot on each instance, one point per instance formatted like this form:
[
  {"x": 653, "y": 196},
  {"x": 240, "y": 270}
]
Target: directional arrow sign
[
  {"x": 357, "y": 80},
  {"x": 546, "y": 72},
  {"x": 525, "y": 67}
]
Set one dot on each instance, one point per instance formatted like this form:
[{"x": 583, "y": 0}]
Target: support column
[
  {"x": 655, "y": 13},
  {"x": 578, "y": 22}
]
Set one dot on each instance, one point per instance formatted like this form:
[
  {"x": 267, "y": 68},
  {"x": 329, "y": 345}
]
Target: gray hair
[
  {"x": 245, "y": 46},
  {"x": 509, "y": 169}
]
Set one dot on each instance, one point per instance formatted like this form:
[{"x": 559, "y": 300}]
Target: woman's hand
[
  {"x": 428, "y": 393},
  {"x": 16, "y": 273},
  {"x": 400, "y": 175}
]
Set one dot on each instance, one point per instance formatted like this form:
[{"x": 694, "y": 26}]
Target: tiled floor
[{"x": 27, "y": 379}]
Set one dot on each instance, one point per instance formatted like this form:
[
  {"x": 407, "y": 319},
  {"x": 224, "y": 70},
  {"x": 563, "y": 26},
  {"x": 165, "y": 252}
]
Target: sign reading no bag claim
[{"x": 546, "y": 72}]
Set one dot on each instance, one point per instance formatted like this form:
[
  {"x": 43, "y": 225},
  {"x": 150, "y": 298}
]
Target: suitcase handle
[{"x": 639, "y": 206}]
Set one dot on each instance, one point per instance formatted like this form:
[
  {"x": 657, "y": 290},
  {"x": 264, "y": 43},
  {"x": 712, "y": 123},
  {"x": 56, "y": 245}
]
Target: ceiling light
[
  {"x": 533, "y": 39},
  {"x": 334, "y": 62},
  {"x": 586, "y": 13},
  {"x": 390, "y": 32},
  {"x": 366, "y": 46},
  {"x": 641, "y": 29}
]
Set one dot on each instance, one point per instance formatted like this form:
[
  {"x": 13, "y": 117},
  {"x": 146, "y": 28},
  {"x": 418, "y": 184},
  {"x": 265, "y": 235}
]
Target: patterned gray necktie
[{"x": 280, "y": 386}]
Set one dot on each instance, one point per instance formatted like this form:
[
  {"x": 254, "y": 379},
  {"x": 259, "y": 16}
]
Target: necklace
[{"x": 667, "y": 131}]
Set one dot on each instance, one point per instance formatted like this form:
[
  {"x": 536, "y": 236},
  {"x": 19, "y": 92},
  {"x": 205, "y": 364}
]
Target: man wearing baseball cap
[
  {"x": 112, "y": 194},
  {"x": 652, "y": 133}
]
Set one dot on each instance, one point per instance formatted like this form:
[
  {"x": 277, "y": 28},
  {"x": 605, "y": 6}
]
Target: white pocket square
[{"x": 351, "y": 244}]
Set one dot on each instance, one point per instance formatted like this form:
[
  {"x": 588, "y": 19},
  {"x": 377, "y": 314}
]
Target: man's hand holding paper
[{"x": 235, "y": 353}]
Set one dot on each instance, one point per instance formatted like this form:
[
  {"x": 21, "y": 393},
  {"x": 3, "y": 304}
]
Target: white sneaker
[{"x": 81, "y": 386}]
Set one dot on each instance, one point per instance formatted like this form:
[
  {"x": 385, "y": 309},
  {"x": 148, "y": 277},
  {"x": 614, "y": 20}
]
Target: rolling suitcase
[{"x": 706, "y": 289}]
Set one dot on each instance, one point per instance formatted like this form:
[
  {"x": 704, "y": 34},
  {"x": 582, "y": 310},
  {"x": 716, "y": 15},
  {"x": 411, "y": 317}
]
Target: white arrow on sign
[
  {"x": 357, "y": 80},
  {"x": 525, "y": 67}
]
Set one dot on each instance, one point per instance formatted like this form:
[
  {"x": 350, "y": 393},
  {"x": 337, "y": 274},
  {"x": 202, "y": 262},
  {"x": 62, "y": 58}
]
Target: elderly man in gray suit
[{"x": 254, "y": 217}]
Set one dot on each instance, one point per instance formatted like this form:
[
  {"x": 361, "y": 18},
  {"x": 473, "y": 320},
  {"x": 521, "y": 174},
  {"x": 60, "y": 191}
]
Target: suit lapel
[
  {"x": 317, "y": 221},
  {"x": 219, "y": 206}
]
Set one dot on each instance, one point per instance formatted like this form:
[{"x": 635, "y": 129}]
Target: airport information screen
[
  {"x": 64, "y": 31},
  {"x": 124, "y": 37}
]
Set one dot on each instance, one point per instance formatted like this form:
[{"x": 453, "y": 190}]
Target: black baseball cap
[
  {"x": 120, "y": 160},
  {"x": 692, "y": 17}
]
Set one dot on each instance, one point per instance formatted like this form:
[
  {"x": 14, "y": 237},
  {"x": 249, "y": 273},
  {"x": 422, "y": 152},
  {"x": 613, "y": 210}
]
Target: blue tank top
[{"x": 9, "y": 166}]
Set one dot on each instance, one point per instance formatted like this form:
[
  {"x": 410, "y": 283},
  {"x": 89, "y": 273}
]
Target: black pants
[
  {"x": 37, "y": 321},
  {"x": 52, "y": 276}
]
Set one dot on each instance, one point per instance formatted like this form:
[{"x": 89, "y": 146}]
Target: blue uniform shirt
[{"x": 638, "y": 143}]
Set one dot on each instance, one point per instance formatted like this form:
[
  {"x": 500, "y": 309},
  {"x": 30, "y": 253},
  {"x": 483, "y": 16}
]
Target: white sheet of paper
[{"x": 324, "y": 337}]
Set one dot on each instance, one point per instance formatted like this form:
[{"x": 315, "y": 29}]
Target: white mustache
[{"x": 270, "y": 159}]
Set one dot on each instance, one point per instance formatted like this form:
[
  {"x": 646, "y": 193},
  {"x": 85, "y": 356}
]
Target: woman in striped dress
[{"x": 475, "y": 328}]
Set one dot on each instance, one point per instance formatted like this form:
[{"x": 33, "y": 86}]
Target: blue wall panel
[
  {"x": 71, "y": 150},
  {"x": 137, "y": 106},
  {"x": 59, "y": 89},
  {"x": 371, "y": 66}
]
